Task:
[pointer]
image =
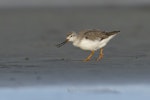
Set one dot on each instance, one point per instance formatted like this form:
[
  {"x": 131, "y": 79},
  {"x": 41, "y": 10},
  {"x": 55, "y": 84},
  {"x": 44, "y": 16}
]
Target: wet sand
[{"x": 28, "y": 56}]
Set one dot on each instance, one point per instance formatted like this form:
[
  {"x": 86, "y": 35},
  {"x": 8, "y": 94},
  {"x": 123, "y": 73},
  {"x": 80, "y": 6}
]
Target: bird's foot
[
  {"x": 100, "y": 57},
  {"x": 89, "y": 57},
  {"x": 86, "y": 60}
]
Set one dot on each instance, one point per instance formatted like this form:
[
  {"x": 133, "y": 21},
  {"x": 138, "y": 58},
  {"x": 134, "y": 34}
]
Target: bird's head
[{"x": 70, "y": 37}]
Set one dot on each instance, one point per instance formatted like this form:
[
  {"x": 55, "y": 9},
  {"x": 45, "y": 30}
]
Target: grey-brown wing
[{"x": 94, "y": 34}]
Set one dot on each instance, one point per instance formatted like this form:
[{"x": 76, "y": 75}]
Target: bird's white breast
[{"x": 87, "y": 44}]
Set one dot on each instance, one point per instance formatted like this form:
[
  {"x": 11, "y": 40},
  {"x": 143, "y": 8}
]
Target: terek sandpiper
[{"x": 91, "y": 40}]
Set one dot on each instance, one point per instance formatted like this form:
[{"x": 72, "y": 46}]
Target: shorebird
[{"x": 91, "y": 40}]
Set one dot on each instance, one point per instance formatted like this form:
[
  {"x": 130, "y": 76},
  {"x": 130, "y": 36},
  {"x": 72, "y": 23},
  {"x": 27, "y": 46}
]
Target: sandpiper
[{"x": 91, "y": 40}]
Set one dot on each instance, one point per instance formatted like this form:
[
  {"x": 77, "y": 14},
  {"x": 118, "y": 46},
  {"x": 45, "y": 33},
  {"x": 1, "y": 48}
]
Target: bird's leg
[
  {"x": 100, "y": 54},
  {"x": 89, "y": 57}
]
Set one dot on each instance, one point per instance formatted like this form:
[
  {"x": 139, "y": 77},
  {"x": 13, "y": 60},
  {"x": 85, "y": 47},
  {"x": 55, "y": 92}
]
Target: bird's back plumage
[{"x": 95, "y": 34}]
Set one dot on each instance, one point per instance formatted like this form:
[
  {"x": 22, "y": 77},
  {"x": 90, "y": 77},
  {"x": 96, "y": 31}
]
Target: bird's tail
[{"x": 112, "y": 33}]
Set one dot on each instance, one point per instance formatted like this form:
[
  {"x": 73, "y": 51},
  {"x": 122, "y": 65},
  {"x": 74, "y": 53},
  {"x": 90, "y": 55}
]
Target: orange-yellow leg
[
  {"x": 89, "y": 57},
  {"x": 100, "y": 54}
]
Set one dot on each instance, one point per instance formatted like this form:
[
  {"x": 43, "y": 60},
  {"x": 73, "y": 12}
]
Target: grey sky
[{"x": 18, "y": 3}]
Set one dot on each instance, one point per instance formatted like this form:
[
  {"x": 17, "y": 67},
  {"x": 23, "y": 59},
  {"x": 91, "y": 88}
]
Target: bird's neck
[{"x": 76, "y": 41}]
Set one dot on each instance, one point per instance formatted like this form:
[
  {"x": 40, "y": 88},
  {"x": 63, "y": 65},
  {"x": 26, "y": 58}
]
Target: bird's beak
[{"x": 61, "y": 44}]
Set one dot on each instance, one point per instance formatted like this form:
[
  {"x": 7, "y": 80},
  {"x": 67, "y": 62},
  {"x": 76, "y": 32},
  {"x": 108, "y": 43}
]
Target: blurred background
[
  {"x": 32, "y": 68},
  {"x": 58, "y": 3},
  {"x": 32, "y": 28}
]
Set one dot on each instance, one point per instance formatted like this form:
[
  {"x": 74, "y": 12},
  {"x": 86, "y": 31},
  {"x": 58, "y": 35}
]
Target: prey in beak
[{"x": 61, "y": 44}]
